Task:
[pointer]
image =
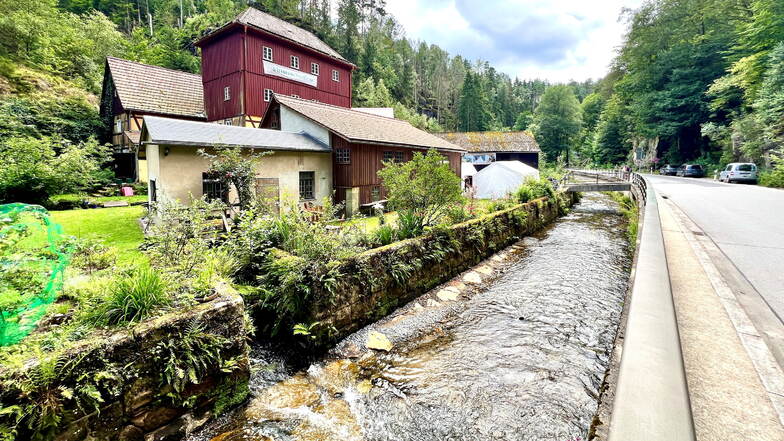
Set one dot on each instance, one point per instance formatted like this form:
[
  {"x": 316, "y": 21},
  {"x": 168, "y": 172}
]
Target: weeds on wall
[
  {"x": 629, "y": 210},
  {"x": 534, "y": 189}
]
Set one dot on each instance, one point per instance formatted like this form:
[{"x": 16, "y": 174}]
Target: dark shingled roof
[
  {"x": 491, "y": 142},
  {"x": 274, "y": 25},
  {"x": 154, "y": 89},
  {"x": 170, "y": 131},
  {"x": 361, "y": 127}
]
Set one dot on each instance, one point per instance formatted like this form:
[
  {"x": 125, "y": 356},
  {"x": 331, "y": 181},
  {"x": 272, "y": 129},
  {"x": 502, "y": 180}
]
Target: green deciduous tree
[
  {"x": 611, "y": 143},
  {"x": 769, "y": 105},
  {"x": 557, "y": 121},
  {"x": 425, "y": 186}
]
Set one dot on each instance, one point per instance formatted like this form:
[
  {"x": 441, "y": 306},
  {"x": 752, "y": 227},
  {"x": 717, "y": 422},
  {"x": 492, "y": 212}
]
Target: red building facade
[{"x": 256, "y": 55}]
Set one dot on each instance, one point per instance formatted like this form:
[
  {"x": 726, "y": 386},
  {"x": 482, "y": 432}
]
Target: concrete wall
[
  {"x": 126, "y": 371},
  {"x": 179, "y": 174},
  {"x": 294, "y": 122}
]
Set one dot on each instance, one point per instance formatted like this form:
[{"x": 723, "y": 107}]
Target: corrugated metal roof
[
  {"x": 155, "y": 89},
  {"x": 490, "y": 142},
  {"x": 169, "y": 131},
  {"x": 364, "y": 127}
]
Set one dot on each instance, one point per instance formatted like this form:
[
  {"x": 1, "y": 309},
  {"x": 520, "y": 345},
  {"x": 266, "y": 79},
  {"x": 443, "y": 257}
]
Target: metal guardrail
[
  {"x": 651, "y": 397},
  {"x": 639, "y": 189}
]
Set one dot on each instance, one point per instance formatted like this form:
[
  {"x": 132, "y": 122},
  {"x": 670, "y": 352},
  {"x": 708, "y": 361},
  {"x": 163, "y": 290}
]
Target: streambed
[{"x": 522, "y": 358}]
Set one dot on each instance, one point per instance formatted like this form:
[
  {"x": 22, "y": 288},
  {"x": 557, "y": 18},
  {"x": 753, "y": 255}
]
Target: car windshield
[
  {"x": 695, "y": 167},
  {"x": 745, "y": 167}
]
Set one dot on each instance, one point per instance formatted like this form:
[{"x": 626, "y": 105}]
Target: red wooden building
[{"x": 257, "y": 55}]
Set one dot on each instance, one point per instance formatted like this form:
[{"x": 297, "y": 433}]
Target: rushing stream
[{"x": 522, "y": 359}]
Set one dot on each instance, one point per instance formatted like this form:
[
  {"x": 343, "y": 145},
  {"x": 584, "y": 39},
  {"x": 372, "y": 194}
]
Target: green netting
[{"x": 33, "y": 259}]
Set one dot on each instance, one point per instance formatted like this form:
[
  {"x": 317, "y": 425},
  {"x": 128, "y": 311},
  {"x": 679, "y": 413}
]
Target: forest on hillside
[{"x": 694, "y": 80}]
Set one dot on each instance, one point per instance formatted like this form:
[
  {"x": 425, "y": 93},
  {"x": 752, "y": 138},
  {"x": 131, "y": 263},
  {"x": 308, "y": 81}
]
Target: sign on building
[{"x": 288, "y": 73}]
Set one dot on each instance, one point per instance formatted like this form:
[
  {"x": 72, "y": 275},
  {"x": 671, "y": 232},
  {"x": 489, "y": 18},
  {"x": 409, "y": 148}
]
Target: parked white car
[{"x": 739, "y": 172}]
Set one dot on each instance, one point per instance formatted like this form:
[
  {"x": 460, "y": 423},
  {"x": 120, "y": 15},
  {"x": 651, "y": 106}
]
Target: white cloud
[{"x": 557, "y": 40}]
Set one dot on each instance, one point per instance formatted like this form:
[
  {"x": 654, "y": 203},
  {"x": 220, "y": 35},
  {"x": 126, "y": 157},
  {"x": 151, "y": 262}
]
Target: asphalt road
[{"x": 745, "y": 221}]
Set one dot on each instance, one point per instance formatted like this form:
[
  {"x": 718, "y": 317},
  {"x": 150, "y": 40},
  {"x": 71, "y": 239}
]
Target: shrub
[
  {"x": 36, "y": 168},
  {"x": 499, "y": 204},
  {"x": 92, "y": 255},
  {"x": 458, "y": 213},
  {"x": 135, "y": 296},
  {"x": 774, "y": 177},
  {"x": 181, "y": 235},
  {"x": 534, "y": 189},
  {"x": 424, "y": 186}
]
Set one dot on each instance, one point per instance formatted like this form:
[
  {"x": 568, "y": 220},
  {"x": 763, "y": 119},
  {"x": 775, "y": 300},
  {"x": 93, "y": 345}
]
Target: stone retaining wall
[
  {"x": 374, "y": 283},
  {"x": 115, "y": 386}
]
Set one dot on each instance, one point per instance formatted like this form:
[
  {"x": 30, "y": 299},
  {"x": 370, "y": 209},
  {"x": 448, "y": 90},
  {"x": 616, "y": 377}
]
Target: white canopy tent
[{"x": 501, "y": 178}]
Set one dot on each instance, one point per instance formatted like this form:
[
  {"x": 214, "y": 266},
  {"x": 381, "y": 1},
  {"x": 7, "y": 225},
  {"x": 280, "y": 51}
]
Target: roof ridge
[
  {"x": 501, "y": 132},
  {"x": 347, "y": 109},
  {"x": 153, "y": 65},
  {"x": 278, "y": 19}
]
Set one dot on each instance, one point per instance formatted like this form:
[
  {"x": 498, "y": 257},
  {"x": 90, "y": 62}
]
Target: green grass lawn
[
  {"x": 116, "y": 227},
  {"x": 369, "y": 224}
]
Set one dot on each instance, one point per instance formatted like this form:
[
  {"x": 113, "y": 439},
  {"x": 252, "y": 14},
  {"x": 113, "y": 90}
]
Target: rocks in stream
[{"x": 378, "y": 341}]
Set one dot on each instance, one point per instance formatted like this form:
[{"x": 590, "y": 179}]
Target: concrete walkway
[{"x": 735, "y": 386}]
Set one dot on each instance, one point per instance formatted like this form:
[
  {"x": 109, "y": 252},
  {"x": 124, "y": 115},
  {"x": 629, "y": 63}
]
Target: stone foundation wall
[
  {"x": 140, "y": 384},
  {"x": 374, "y": 283}
]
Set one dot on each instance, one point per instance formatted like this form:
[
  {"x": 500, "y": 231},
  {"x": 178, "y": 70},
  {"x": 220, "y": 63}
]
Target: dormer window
[
  {"x": 226, "y": 93},
  {"x": 314, "y": 68},
  {"x": 267, "y": 95},
  {"x": 267, "y": 53},
  {"x": 295, "y": 62},
  {"x": 227, "y": 122},
  {"x": 335, "y": 75}
]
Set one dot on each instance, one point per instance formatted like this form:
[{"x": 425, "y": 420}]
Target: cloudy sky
[{"x": 557, "y": 40}]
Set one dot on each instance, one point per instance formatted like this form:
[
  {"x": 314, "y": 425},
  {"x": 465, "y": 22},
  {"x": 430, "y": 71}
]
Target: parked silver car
[{"x": 739, "y": 172}]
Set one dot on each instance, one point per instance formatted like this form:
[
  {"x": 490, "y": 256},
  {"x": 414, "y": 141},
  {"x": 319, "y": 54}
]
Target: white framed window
[
  {"x": 226, "y": 93},
  {"x": 267, "y": 94},
  {"x": 295, "y": 62},
  {"x": 118, "y": 125},
  {"x": 335, "y": 75},
  {"x": 267, "y": 53},
  {"x": 294, "y": 95},
  {"x": 314, "y": 68},
  {"x": 227, "y": 122}
]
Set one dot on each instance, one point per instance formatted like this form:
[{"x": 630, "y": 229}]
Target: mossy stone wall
[
  {"x": 375, "y": 282},
  {"x": 114, "y": 387}
]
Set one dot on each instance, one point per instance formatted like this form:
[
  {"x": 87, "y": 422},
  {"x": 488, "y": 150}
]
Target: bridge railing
[{"x": 602, "y": 174}]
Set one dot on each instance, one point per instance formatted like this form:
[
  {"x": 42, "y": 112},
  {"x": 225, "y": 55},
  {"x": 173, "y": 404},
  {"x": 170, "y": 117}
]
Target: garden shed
[{"x": 501, "y": 178}]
